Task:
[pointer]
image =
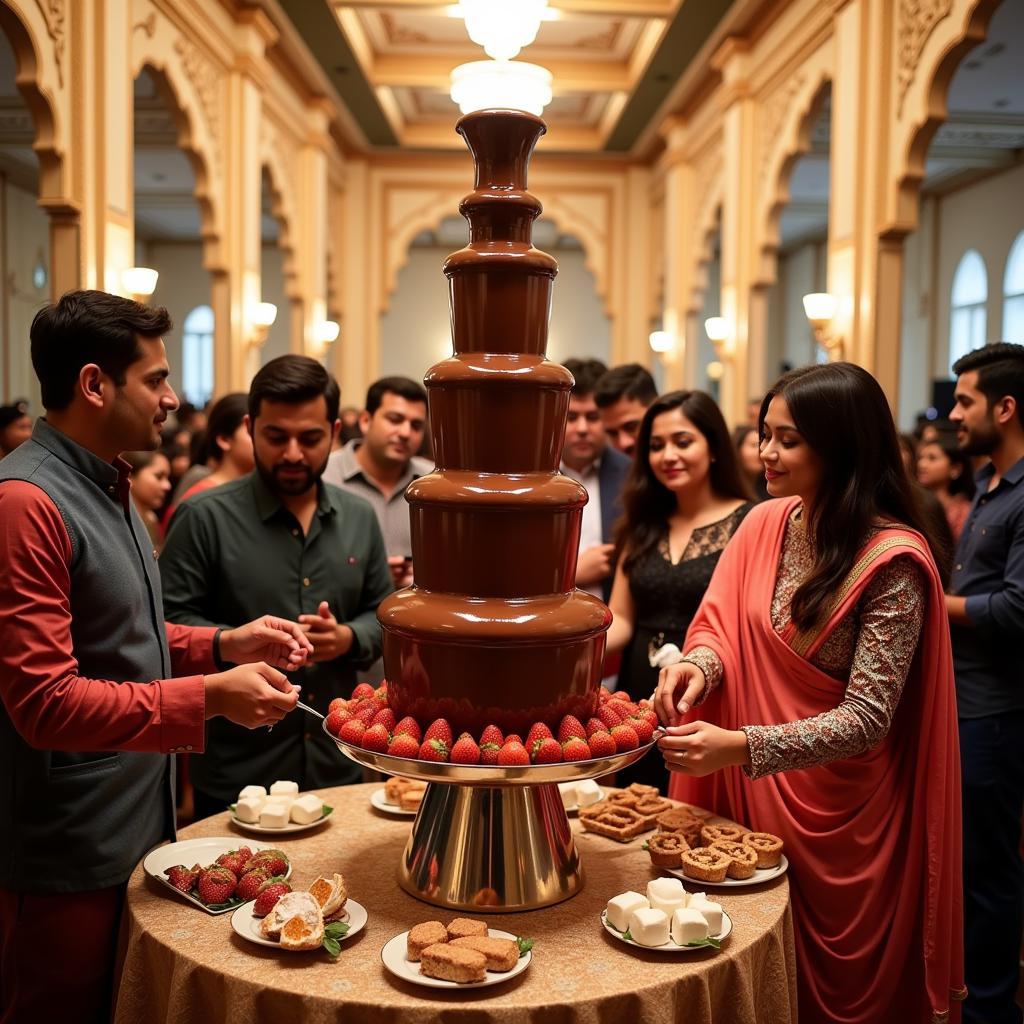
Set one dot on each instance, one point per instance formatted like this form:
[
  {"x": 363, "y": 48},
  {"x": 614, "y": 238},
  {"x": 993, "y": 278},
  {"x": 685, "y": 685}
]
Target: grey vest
[{"x": 78, "y": 820}]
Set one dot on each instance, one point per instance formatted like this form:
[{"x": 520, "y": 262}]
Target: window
[
  {"x": 197, "y": 356},
  {"x": 967, "y": 314},
  {"x": 1013, "y": 293}
]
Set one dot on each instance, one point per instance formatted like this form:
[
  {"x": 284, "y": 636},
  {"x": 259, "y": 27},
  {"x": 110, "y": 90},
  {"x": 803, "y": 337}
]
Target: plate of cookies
[
  {"x": 625, "y": 814},
  {"x": 719, "y": 854},
  {"x": 399, "y": 796},
  {"x": 463, "y": 954}
]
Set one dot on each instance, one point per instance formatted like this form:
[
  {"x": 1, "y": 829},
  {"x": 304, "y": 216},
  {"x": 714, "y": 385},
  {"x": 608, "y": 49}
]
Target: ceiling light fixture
[
  {"x": 503, "y": 27},
  {"x": 502, "y": 85},
  {"x": 139, "y": 282}
]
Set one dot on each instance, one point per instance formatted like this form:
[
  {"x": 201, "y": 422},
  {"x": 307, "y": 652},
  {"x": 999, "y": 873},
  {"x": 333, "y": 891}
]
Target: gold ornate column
[
  {"x": 354, "y": 353},
  {"x": 313, "y": 227}
]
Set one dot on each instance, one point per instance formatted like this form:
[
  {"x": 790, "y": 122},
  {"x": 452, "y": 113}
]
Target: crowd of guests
[{"x": 828, "y": 615}]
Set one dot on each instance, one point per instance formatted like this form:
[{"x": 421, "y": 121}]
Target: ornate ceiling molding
[{"x": 916, "y": 22}]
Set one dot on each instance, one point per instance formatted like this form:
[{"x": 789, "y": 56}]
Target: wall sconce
[
  {"x": 139, "y": 282},
  {"x": 660, "y": 342},
  {"x": 261, "y": 319},
  {"x": 820, "y": 308},
  {"x": 324, "y": 333}
]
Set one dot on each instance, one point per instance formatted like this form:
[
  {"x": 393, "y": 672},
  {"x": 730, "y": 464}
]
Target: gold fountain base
[
  {"x": 501, "y": 848},
  {"x": 487, "y": 837}
]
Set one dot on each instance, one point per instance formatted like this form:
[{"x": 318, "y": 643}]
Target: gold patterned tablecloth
[{"x": 184, "y": 966}]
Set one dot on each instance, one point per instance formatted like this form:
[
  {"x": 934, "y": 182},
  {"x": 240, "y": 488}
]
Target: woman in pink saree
[{"x": 815, "y": 701}]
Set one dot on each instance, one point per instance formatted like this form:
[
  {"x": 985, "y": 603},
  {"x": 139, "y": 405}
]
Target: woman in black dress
[{"x": 683, "y": 500}]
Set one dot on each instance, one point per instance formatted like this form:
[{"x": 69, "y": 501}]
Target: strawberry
[
  {"x": 643, "y": 729},
  {"x": 620, "y": 695},
  {"x": 439, "y": 729},
  {"x": 627, "y": 709},
  {"x": 338, "y": 704},
  {"x": 273, "y": 889},
  {"x": 602, "y": 745},
  {"x": 403, "y": 745},
  {"x": 182, "y": 878},
  {"x": 367, "y": 715},
  {"x": 251, "y": 882},
  {"x": 336, "y": 719},
  {"x": 352, "y": 731},
  {"x": 235, "y": 860},
  {"x": 375, "y": 739},
  {"x": 625, "y": 738},
  {"x": 491, "y": 734},
  {"x": 546, "y": 751},
  {"x": 604, "y": 694},
  {"x": 433, "y": 750},
  {"x": 538, "y": 731},
  {"x": 385, "y": 717},
  {"x": 571, "y": 726},
  {"x": 465, "y": 750},
  {"x": 489, "y": 753},
  {"x": 362, "y": 690},
  {"x": 514, "y": 736},
  {"x": 609, "y": 715},
  {"x": 216, "y": 885},
  {"x": 595, "y": 725},
  {"x": 513, "y": 754},
  {"x": 275, "y": 862},
  {"x": 648, "y": 715},
  {"x": 410, "y": 727},
  {"x": 575, "y": 749}
]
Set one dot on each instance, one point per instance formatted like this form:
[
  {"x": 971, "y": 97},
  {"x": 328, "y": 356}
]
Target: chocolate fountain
[{"x": 493, "y": 630}]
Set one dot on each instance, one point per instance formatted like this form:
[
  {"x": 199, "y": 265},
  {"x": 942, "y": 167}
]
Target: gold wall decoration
[{"x": 917, "y": 21}]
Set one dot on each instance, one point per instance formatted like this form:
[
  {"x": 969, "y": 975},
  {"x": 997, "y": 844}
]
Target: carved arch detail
[{"x": 282, "y": 202}]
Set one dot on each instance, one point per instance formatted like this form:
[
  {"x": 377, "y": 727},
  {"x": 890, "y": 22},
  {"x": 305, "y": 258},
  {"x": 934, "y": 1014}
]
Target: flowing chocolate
[{"x": 493, "y": 630}]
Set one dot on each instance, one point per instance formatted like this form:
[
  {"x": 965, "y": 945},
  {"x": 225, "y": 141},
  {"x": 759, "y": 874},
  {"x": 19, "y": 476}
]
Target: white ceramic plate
[
  {"x": 196, "y": 851},
  {"x": 393, "y": 956},
  {"x": 760, "y": 875},
  {"x": 670, "y": 946},
  {"x": 377, "y": 800},
  {"x": 262, "y": 830},
  {"x": 244, "y": 924},
  {"x": 574, "y": 808}
]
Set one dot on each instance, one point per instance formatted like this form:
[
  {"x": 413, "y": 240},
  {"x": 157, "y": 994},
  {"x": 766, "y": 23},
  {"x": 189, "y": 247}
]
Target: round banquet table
[{"x": 182, "y": 965}]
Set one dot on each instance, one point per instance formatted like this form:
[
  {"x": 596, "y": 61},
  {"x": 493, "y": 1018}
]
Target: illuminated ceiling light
[
  {"x": 501, "y": 85},
  {"x": 716, "y": 328},
  {"x": 503, "y": 27},
  {"x": 139, "y": 282},
  {"x": 660, "y": 341}
]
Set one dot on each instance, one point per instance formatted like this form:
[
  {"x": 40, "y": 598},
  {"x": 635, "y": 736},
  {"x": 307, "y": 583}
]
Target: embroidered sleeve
[
  {"x": 710, "y": 664},
  {"x": 890, "y": 616}
]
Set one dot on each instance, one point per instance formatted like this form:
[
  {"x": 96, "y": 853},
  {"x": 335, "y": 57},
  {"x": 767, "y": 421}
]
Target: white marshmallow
[
  {"x": 669, "y": 906},
  {"x": 649, "y": 927},
  {"x": 248, "y": 808},
  {"x": 620, "y": 907},
  {"x": 284, "y": 787},
  {"x": 308, "y": 808},
  {"x": 273, "y": 816},
  {"x": 711, "y": 912},
  {"x": 688, "y": 926},
  {"x": 253, "y": 791},
  {"x": 567, "y": 791},
  {"x": 696, "y": 896},
  {"x": 587, "y": 792},
  {"x": 665, "y": 889},
  {"x": 280, "y": 800}
]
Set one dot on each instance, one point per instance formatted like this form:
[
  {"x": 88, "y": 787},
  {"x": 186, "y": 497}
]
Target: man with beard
[
  {"x": 986, "y": 612},
  {"x": 282, "y": 538}
]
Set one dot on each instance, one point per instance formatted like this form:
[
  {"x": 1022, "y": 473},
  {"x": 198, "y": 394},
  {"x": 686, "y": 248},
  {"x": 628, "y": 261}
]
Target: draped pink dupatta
[{"x": 873, "y": 840}]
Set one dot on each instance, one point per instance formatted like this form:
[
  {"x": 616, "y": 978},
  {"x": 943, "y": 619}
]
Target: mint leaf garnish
[
  {"x": 327, "y": 810},
  {"x": 626, "y": 935},
  {"x": 332, "y": 947},
  {"x": 336, "y": 930},
  {"x": 709, "y": 942},
  {"x": 646, "y": 845},
  {"x": 525, "y": 945}
]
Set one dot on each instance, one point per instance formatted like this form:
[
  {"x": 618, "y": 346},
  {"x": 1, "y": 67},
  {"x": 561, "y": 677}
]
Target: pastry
[
  {"x": 651, "y": 807},
  {"x": 649, "y": 927},
  {"x": 463, "y": 926},
  {"x": 640, "y": 791},
  {"x": 330, "y": 893},
  {"x": 430, "y": 933},
  {"x": 453, "y": 963},
  {"x": 682, "y": 821},
  {"x": 302, "y": 932},
  {"x": 767, "y": 847},
  {"x": 712, "y": 833},
  {"x": 289, "y": 906},
  {"x": 743, "y": 857},
  {"x": 621, "y": 823},
  {"x": 620, "y": 907},
  {"x": 394, "y": 787},
  {"x": 706, "y": 865},
  {"x": 688, "y": 926},
  {"x": 666, "y": 848},
  {"x": 501, "y": 954},
  {"x": 411, "y": 799}
]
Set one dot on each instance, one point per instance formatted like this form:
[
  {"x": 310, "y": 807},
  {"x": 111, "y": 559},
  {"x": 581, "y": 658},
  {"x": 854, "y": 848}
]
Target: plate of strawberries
[{"x": 216, "y": 873}]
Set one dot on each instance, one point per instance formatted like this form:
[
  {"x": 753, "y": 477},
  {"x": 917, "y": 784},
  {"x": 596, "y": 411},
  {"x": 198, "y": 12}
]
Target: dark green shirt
[{"x": 234, "y": 553}]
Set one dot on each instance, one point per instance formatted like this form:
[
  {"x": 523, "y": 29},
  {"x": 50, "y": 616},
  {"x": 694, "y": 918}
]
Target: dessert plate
[
  {"x": 760, "y": 875},
  {"x": 377, "y": 800},
  {"x": 393, "y": 958},
  {"x": 262, "y": 830},
  {"x": 248, "y": 927},
  {"x": 670, "y": 946},
  {"x": 196, "y": 851}
]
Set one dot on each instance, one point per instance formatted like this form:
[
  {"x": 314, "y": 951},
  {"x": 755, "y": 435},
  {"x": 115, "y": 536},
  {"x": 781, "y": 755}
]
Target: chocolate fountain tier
[{"x": 489, "y": 661}]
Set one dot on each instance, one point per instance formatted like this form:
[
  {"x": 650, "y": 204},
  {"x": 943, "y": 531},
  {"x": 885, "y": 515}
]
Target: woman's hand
[
  {"x": 699, "y": 748},
  {"x": 679, "y": 687}
]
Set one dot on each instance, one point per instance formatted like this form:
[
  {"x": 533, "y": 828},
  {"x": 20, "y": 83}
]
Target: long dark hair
[
  {"x": 647, "y": 503},
  {"x": 226, "y": 416},
  {"x": 841, "y": 411},
  {"x": 964, "y": 482}
]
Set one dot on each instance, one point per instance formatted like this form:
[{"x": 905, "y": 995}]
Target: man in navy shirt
[{"x": 986, "y": 612}]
